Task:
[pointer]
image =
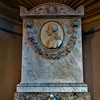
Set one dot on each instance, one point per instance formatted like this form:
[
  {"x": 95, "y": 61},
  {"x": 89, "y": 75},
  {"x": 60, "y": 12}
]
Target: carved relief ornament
[{"x": 52, "y": 9}]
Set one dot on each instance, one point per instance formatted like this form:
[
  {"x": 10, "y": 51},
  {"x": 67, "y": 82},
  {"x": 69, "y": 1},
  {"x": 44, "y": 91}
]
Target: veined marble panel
[{"x": 37, "y": 69}]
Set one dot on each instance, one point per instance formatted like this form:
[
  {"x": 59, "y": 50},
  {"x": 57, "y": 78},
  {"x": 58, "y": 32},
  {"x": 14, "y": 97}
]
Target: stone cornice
[{"x": 52, "y": 9}]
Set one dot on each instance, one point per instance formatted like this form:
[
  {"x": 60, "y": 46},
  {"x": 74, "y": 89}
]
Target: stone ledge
[
  {"x": 51, "y": 84},
  {"x": 52, "y": 96},
  {"x": 52, "y": 87}
]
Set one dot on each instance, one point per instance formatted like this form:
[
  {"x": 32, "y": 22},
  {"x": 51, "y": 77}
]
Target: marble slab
[{"x": 39, "y": 69}]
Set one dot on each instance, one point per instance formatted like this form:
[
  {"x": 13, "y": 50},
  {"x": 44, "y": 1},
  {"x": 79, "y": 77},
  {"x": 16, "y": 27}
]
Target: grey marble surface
[
  {"x": 36, "y": 69},
  {"x": 52, "y": 89},
  {"x": 41, "y": 70}
]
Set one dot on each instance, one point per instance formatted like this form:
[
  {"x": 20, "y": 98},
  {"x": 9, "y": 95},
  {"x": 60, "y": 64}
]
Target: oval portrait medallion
[{"x": 52, "y": 35}]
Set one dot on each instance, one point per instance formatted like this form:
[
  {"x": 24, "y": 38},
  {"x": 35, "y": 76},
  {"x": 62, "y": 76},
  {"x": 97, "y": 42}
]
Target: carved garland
[{"x": 56, "y": 53}]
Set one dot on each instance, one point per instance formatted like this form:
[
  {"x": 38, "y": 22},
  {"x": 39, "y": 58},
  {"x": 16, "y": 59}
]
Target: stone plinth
[{"x": 52, "y": 96}]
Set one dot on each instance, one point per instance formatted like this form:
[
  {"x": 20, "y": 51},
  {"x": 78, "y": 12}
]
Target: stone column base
[{"x": 52, "y": 96}]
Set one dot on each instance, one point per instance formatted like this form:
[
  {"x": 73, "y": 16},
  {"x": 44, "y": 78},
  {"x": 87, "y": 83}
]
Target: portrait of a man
[{"x": 52, "y": 35}]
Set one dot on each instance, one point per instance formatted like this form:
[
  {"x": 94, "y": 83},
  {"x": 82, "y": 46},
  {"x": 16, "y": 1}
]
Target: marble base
[
  {"x": 52, "y": 96},
  {"x": 51, "y": 87}
]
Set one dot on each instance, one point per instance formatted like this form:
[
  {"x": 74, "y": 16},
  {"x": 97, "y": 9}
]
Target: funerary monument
[{"x": 52, "y": 64}]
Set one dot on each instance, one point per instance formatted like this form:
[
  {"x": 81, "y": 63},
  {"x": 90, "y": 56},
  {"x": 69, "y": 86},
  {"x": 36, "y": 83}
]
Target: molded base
[{"x": 52, "y": 87}]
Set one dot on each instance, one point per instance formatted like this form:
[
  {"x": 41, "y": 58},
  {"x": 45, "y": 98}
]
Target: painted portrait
[{"x": 52, "y": 35}]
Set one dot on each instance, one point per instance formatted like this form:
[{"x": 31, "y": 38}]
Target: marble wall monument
[{"x": 52, "y": 64}]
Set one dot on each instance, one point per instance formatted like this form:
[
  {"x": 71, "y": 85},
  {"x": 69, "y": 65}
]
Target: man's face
[{"x": 49, "y": 30}]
